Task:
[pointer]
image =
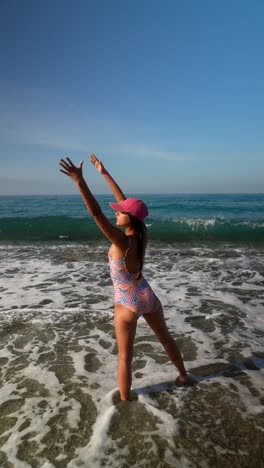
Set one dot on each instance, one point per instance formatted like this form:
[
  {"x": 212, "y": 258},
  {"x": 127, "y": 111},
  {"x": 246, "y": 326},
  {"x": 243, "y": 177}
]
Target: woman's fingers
[
  {"x": 71, "y": 164},
  {"x": 64, "y": 172},
  {"x": 68, "y": 168},
  {"x": 64, "y": 164},
  {"x": 93, "y": 159},
  {"x": 68, "y": 165}
]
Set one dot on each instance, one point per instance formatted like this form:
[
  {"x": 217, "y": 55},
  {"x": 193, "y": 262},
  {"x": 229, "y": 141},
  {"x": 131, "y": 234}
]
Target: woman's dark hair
[{"x": 141, "y": 229}]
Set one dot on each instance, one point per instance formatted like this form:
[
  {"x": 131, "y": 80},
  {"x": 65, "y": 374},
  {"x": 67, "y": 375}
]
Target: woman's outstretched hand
[
  {"x": 75, "y": 173},
  {"x": 97, "y": 163}
]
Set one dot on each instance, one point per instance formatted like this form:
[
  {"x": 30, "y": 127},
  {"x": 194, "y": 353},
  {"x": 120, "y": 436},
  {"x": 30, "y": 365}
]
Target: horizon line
[{"x": 132, "y": 193}]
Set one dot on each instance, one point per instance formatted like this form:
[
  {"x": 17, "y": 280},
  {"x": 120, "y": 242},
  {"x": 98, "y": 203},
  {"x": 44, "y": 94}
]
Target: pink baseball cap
[{"x": 133, "y": 206}]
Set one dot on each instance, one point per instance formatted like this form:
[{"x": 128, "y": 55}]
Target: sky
[{"x": 168, "y": 93}]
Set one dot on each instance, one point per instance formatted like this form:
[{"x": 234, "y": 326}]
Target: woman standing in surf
[{"x": 133, "y": 295}]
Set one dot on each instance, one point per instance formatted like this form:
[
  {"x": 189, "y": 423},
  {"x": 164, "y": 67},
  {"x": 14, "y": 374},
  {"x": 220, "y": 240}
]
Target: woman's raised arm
[
  {"x": 112, "y": 233},
  {"x": 118, "y": 194}
]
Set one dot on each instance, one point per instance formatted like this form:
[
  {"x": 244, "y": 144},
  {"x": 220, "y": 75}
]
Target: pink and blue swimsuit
[{"x": 131, "y": 291}]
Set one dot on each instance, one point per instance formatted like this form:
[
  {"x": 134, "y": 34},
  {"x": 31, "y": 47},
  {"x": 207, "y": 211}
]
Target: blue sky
[{"x": 169, "y": 94}]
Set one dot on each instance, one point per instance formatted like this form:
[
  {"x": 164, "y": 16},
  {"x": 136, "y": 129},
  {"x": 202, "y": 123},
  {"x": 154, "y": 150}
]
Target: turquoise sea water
[
  {"x": 191, "y": 218},
  {"x": 59, "y": 402}
]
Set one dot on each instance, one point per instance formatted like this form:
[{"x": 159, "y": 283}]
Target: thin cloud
[
  {"x": 43, "y": 139},
  {"x": 142, "y": 150},
  {"x": 66, "y": 130},
  {"x": 65, "y": 139}
]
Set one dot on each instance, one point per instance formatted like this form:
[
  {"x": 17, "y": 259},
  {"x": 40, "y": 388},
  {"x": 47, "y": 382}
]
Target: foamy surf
[{"x": 59, "y": 402}]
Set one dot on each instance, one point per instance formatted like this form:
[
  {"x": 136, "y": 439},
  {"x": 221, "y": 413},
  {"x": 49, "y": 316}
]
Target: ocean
[{"x": 59, "y": 402}]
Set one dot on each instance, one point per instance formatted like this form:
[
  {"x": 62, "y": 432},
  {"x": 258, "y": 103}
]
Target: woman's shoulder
[{"x": 118, "y": 251}]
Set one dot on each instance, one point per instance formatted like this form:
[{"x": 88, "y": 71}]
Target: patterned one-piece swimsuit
[{"x": 130, "y": 291}]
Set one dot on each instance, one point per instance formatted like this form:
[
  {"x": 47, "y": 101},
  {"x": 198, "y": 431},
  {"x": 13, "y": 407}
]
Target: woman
[{"x": 133, "y": 295}]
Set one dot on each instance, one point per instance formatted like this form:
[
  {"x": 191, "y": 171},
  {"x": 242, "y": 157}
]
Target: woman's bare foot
[{"x": 182, "y": 380}]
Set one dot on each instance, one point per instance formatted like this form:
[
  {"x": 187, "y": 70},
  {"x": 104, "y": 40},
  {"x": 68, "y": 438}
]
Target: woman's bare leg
[
  {"x": 125, "y": 329},
  {"x": 157, "y": 322}
]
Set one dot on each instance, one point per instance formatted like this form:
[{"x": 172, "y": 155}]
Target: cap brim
[{"x": 116, "y": 206}]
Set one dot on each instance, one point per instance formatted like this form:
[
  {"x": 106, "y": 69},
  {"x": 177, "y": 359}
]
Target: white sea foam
[
  {"x": 91, "y": 454},
  {"x": 59, "y": 354}
]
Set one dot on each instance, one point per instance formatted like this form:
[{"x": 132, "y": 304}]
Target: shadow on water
[
  {"x": 207, "y": 372},
  {"x": 207, "y": 426}
]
